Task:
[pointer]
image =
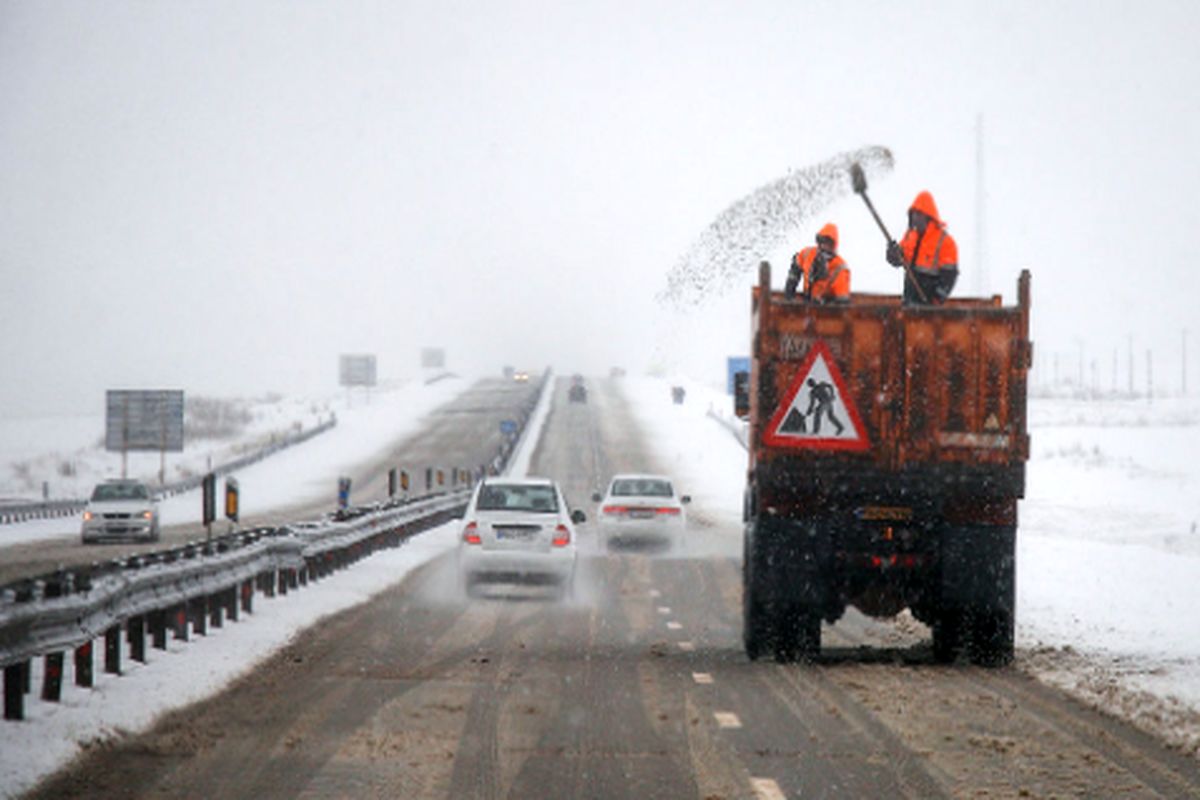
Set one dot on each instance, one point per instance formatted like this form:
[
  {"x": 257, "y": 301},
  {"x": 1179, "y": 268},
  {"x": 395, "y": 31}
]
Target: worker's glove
[
  {"x": 820, "y": 268},
  {"x": 895, "y": 256}
]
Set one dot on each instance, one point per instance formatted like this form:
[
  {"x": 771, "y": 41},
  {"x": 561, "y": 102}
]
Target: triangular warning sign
[{"x": 817, "y": 412}]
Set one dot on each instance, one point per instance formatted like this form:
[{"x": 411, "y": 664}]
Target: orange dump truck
[{"x": 887, "y": 454}]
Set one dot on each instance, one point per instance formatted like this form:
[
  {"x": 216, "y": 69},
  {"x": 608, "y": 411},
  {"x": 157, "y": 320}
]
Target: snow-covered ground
[
  {"x": 292, "y": 476},
  {"x": 1108, "y": 547},
  {"x": 1107, "y": 562}
]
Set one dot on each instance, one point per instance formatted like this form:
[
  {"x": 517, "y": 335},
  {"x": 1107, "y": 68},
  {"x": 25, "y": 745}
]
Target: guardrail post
[
  {"x": 304, "y": 574},
  {"x": 52, "y": 681},
  {"x": 158, "y": 629},
  {"x": 293, "y": 579},
  {"x": 14, "y": 690},
  {"x": 268, "y": 583},
  {"x": 112, "y": 650},
  {"x": 179, "y": 620},
  {"x": 214, "y": 611},
  {"x": 135, "y": 632},
  {"x": 248, "y": 596},
  {"x": 231, "y": 602},
  {"x": 83, "y": 666},
  {"x": 280, "y": 580},
  {"x": 199, "y": 616}
]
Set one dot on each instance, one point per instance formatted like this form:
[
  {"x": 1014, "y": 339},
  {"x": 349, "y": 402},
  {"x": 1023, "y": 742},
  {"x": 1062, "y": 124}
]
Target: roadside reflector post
[
  {"x": 209, "y": 501},
  {"x": 83, "y": 666},
  {"x": 441, "y": 477},
  {"x": 232, "y": 501},
  {"x": 428, "y": 479},
  {"x": 404, "y": 481},
  {"x": 52, "y": 679},
  {"x": 112, "y": 650},
  {"x": 393, "y": 481},
  {"x": 14, "y": 690},
  {"x": 135, "y": 631}
]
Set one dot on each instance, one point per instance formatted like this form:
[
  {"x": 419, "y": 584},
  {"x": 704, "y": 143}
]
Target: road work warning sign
[{"x": 817, "y": 412}]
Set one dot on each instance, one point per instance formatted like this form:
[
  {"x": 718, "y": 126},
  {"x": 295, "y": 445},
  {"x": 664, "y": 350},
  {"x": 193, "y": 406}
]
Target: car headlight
[
  {"x": 88, "y": 516},
  {"x": 147, "y": 515}
]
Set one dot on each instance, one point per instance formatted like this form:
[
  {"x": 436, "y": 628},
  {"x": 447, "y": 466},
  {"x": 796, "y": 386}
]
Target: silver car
[
  {"x": 641, "y": 511},
  {"x": 121, "y": 510}
]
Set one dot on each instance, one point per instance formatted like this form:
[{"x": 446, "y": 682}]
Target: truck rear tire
[
  {"x": 758, "y": 625},
  {"x": 978, "y": 595}
]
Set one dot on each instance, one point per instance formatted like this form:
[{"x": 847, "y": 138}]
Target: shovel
[{"x": 859, "y": 179}]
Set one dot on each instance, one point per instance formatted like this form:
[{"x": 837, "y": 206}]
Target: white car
[
  {"x": 120, "y": 510},
  {"x": 641, "y": 511},
  {"x": 518, "y": 531}
]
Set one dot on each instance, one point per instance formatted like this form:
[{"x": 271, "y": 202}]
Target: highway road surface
[{"x": 636, "y": 688}]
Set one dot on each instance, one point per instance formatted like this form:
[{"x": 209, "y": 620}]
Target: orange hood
[
  {"x": 831, "y": 231},
  {"x": 924, "y": 203}
]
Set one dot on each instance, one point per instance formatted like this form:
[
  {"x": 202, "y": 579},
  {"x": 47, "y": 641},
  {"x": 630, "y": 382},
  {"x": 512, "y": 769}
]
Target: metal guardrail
[
  {"x": 183, "y": 590},
  {"x": 23, "y": 512},
  {"x": 735, "y": 427}
]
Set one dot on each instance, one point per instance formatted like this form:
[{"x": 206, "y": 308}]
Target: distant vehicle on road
[
  {"x": 518, "y": 531},
  {"x": 520, "y": 376},
  {"x": 120, "y": 510},
  {"x": 578, "y": 392},
  {"x": 641, "y": 510}
]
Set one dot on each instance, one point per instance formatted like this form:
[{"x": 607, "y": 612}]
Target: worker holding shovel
[{"x": 928, "y": 254}]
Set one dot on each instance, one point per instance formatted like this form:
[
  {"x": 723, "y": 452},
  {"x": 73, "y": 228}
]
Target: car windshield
[
  {"x": 120, "y": 491},
  {"x": 517, "y": 497},
  {"x": 641, "y": 487}
]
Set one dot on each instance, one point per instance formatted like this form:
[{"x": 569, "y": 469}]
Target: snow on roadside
[
  {"x": 1107, "y": 549},
  {"x": 54, "y": 733}
]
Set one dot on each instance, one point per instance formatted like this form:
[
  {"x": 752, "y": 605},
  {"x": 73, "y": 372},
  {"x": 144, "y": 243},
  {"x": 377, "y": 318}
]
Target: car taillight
[
  {"x": 614, "y": 509},
  {"x": 666, "y": 510},
  {"x": 562, "y": 536},
  {"x": 471, "y": 534}
]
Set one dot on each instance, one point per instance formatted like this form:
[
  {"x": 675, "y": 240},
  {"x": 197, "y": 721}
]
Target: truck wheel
[
  {"x": 992, "y": 637},
  {"x": 758, "y": 630},
  {"x": 799, "y": 636},
  {"x": 947, "y": 635}
]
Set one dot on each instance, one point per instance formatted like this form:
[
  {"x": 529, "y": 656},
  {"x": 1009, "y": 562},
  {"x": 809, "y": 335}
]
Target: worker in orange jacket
[
  {"x": 927, "y": 252},
  {"x": 825, "y": 275}
]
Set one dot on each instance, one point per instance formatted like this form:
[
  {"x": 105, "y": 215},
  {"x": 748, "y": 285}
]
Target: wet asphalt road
[{"x": 636, "y": 688}]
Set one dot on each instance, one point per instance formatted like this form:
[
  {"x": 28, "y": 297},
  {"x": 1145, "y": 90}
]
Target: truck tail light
[
  {"x": 470, "y": 534},
  {"x": 562, "y": 536}
]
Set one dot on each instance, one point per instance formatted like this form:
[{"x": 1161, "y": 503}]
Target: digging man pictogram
[{"x": 820, "y": 403}]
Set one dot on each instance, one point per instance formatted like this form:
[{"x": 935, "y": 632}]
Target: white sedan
[
  {"x": 518, "y": 531},
  {"x": 642, "y": 510}
]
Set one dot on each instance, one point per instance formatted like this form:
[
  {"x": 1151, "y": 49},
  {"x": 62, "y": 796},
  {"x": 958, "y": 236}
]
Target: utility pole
[
  {"x": 980, "y": 269},
  {"x": 1149, "y": 376},
  {"x": 1131, "y": 365}
]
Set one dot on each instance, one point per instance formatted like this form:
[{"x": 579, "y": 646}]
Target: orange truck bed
[{"x": 927, "y": 399}]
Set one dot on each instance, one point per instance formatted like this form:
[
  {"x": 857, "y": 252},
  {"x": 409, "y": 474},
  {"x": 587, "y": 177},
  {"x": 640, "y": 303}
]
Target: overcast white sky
[{"x": 223, "y": 196}]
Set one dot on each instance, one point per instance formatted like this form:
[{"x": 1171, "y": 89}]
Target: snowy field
[{"x": 1107, "y": 563}]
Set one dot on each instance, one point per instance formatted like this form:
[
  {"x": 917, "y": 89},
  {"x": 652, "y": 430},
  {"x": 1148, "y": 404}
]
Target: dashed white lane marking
[
  {"x": 655, "y": 593},
  {"x": 727, "y": 719},
  {"x": 673, "y": 625},
  {"x": 664, "y": 609},
  {"x": 687, "y": 646},
  {"x": 702, "y": 677},
  {"x": 767, "y": 789}
]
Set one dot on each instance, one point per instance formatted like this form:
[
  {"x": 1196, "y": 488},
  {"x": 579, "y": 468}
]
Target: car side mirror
[
  {"x": 578, "y": 517},
  {"x": 687, "y": 498},
  {"x": 596, "y": 498}
]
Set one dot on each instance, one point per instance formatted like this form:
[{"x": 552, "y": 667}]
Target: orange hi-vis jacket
[
  {"x": 935, "y": 250},
  {"x": 836, "y": 283}
]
